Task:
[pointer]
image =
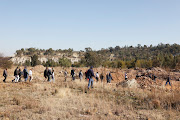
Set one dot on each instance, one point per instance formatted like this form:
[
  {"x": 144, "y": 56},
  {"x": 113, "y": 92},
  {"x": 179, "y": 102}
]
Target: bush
[
  {"x": 5, "y": 63},
  {"x": 27, "y": 63},
  {"x": 51, "y": 63},
  {"x": 35, "y": 61},
  {"x": 121, "y": 64},
  {"x": 64, "y": 62},
  {"x": 144, "y": 63}
]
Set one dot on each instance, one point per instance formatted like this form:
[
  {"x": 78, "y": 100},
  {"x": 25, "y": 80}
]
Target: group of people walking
[
  {"x": 89, "y": 74},
  {"x": 18, "y": 74},
  {"x": 49, "y": 75}
]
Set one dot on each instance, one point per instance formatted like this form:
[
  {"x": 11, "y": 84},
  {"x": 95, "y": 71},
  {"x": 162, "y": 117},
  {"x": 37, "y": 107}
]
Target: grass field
[{"x": 41, "y": 100}]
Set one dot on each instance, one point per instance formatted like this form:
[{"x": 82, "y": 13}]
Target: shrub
[
  {"x": 64, "y": 62},
  {"x": 5, "y": 62},
  {"x": 35, "y": 61}
]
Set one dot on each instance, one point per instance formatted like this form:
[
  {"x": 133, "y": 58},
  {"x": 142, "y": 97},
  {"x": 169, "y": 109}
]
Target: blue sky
[{"x": 77, "y": 24}]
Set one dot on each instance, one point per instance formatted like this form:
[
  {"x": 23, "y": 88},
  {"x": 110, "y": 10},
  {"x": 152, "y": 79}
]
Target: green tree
[
  {"x": 35, "y": 61},
  {"x": 92, "y": 59},
  {"x": 64, "y": 62}
]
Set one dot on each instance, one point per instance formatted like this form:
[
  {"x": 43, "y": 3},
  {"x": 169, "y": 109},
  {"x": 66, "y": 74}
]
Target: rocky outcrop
[
  {"x": 75, "y": 57},
  {"x": 20, "y": 60}
]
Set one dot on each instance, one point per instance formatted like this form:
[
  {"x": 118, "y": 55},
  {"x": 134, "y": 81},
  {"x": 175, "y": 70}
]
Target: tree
[
  {"x": 88, "y": 49},
  {"x": 19, "y": 52},
  {"x": 138, "y": 63},
  {"x": 121, "y": 64},
  {"x": 35, "y": 61},
  {"x": 64, "y": 62},
  {"x": 92, "y": 59}
]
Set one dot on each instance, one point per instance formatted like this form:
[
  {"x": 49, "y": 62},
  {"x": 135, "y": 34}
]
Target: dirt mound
[
  {"x": 129, "y": 83},
  {"x": 158, "y": 69},
  {"x": 146, "y": 82}
]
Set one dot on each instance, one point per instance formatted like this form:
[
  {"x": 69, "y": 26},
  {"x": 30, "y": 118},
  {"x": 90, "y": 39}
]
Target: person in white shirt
[
  {"x": 30, "y": 75},
  {"x": 80, "y": 75},
  {"x": 65, "y": 75},
  {"x": 97, "y": 76},
  {"x": 126, "y": 76},
  {"x": 53, "y": 78}
]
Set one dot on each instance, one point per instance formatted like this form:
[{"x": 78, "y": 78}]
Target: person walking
[
  {"x": 25, "y": 74},
  {"x": 86, "y": 75},
  {"x": 30, "y": 75},
  {"x": 90, "y": 75},
  {"x": 73, "y": 74},
  {"x": 80, "y": 75},
  {"x": 65, "y": 75},
  {"x": 49, "y": 75},
  {"x": 97, "y": 76},
  {"x": 20, "y": 74},
  {"x": 53, "y": 77},
  {"x": 126, "y": 76},
  {"x": 46, "y": 73},
  {"x": 168, "y": 80},
  {"x": 101, "y": 77},
  {"x": 5, "y": 75},
  {"x": 109, "y": 77},
  {"x": 16, "y": 75}
]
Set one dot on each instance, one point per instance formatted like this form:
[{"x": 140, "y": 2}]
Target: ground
[{"x": 41, "y": 100}]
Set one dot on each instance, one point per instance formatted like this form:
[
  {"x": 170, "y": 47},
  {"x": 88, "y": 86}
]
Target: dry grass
[{"x": 72, "y": 100}]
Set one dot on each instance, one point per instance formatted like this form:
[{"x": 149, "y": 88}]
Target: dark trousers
[
  {"x": 97, "y": 79},
  {"x": 4, "y": 78},
  {"x": 49, "y": 78},
  {"x": 168, "y": 82},
  {"x": 73, "y": 77}
]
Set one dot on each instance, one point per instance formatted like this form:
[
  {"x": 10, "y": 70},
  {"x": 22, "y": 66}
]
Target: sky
[{"x": 77, "y": 24}]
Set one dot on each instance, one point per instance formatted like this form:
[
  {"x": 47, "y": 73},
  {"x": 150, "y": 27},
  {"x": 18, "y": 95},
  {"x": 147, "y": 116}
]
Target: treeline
[
  {"x": 162, "y": 55},
  {"x": 35, "y": 51},
  {"x": 163, "y": 60}
]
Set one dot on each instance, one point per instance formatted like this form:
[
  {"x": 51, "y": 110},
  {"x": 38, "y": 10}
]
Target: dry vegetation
[{"x": 41, "y": 100}]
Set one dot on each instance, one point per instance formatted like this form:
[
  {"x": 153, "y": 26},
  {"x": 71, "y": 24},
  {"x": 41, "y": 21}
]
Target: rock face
[
  {"x": 75, "y": 57},
  {"x": 20, "y": 60}
]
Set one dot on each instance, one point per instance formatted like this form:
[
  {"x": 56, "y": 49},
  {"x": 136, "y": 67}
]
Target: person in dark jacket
[
  {"x": 46, "y": 73},
  {"x": 90, "y": 75},
  {"x": 86, "y": 75},
  {"x": 168, "y": 80},
  {"x": 5, "y": 75},
  {"x": 20, "y": 74},
  {"x": 101, "y": 77},
  {"x": 25, "y": 73},
  {"x": 73, "y": 74},
  {"x": 16, "y": 75},
  {"x": 109, "y": 77}
]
